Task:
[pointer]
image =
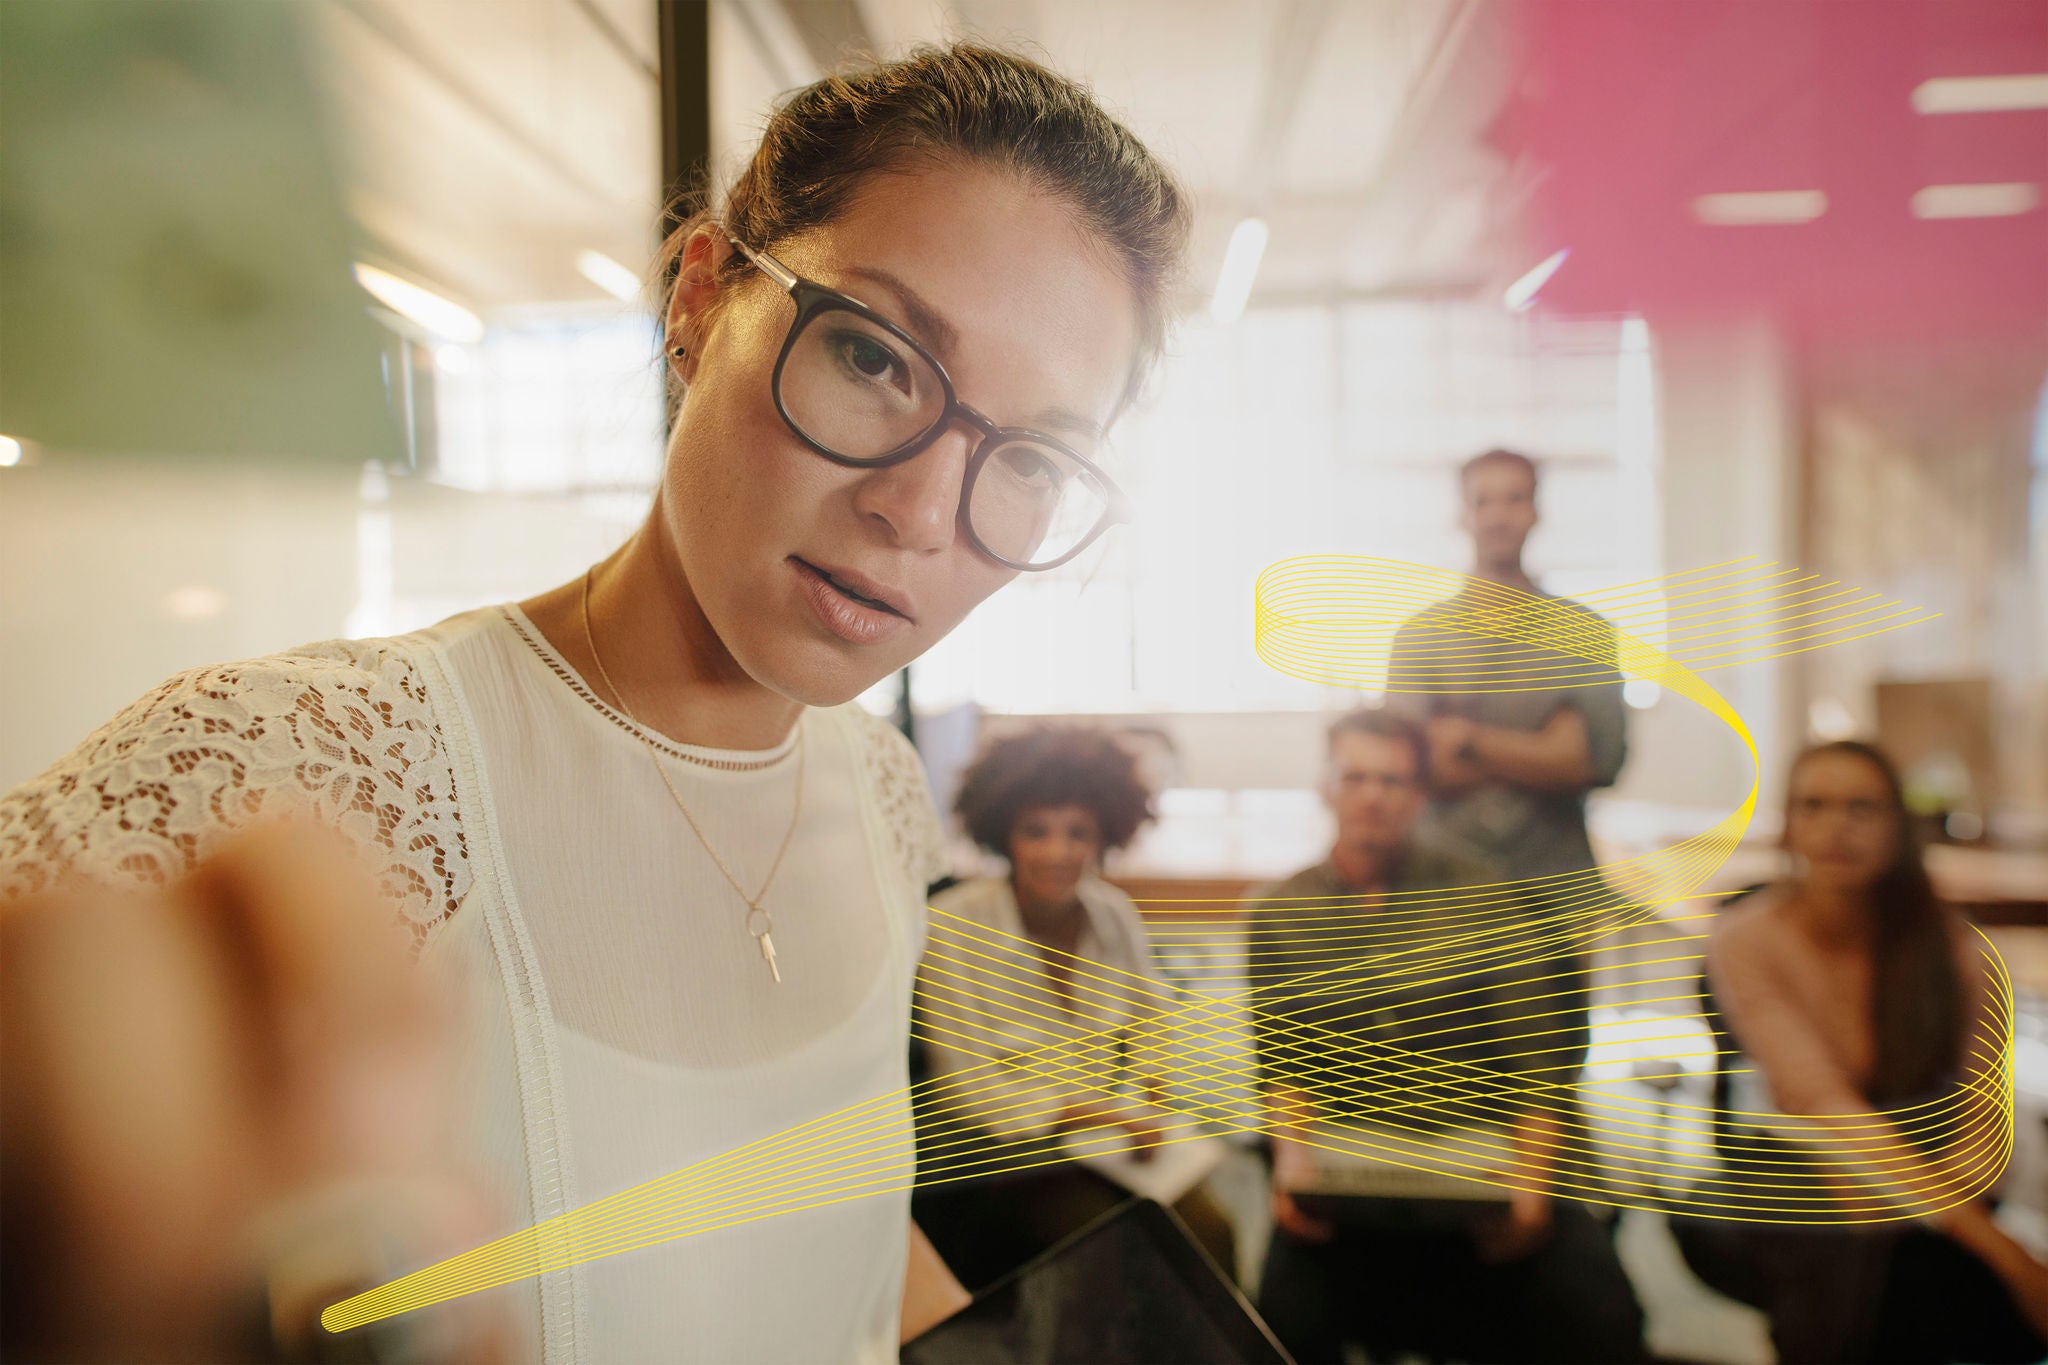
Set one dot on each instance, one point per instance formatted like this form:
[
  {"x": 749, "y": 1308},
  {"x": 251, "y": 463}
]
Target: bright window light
[
  {"x": 1240, "y": 268},
  {"x": 608, "y": 275},
  {"x": 447, "y": 320},
  {"x": 1755, "y": 208},
  {"x": 1982, "y": 94},
  {"x": 10, "y": 452},
  {"x": 1976, "y": 201}
]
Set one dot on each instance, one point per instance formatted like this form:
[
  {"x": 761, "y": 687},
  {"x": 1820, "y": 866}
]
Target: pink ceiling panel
[{"x": 1632, "y": 110}]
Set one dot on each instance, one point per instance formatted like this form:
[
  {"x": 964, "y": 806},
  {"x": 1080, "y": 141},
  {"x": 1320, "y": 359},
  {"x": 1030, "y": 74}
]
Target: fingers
[
  {"x": 177, "y": 1060},
  {"x": 299, "y": 922},
  {"x": 125, "y": 1116},
  {"x": 347, "y": 1040}
]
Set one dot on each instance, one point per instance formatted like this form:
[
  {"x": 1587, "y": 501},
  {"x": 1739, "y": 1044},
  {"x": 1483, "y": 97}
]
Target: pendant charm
[{"x": 765, "y": 936}]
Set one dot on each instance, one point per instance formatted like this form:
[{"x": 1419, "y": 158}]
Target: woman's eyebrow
[
  {"x": 941, "y": 338},
  {"x": 926, "y": 321},
  {"x": 1051, "y": 420}
]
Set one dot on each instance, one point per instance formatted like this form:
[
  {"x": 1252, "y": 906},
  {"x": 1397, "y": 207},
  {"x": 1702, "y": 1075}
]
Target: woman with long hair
[
  {"x": 681, "y": 876},
  {"x": 1851, "y": 996}
]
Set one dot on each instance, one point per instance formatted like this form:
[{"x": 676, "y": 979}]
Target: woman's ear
[{"x": 692, "y": 297}]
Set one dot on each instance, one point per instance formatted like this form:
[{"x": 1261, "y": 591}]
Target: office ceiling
[
  {"x": 490, "y": 141},
  {"x": 1410, "y": 146},
  {"x": 1628, "y": 115}
]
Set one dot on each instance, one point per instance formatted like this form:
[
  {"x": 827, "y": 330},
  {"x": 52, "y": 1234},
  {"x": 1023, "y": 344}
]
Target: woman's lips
[{"x": 852, "y": 620}]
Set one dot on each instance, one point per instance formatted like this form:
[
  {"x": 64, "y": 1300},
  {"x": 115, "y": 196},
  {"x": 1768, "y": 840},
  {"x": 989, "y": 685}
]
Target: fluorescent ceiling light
[
  {"x": 1519, "y": 295},
  {"x": 1975, "y": 201},
  {"x": 1240, "y": 268},
  {"x": 1981, "y": 94},
  {"x": 1756, "y": 207},
  {"x": 608, "y": 275},
  {"x": 439, "y": 316}
]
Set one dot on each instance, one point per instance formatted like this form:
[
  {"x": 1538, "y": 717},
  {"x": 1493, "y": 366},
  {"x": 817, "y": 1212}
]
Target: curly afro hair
[{"x": 1053, "y": 766}]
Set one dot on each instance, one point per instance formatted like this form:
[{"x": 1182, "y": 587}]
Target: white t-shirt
[{"x": 622, "y": 1024}]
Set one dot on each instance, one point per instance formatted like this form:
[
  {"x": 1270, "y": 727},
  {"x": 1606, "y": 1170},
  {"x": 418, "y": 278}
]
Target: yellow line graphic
[{"x": 1510, "y": 956}]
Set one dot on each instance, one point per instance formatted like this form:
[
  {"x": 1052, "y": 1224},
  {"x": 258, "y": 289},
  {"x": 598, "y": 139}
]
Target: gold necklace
[{"x": 764, "y": 935}]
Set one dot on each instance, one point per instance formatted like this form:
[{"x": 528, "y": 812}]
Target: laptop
[{"x": 1131, "y": 1288}]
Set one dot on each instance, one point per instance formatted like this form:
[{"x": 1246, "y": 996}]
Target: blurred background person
[
  {"x": 1354, "y": 1039},
  {"x": 1849, "y": 994},
  {"x": 1065, "y": 964},
  {"x": 1510, "y": 767}
]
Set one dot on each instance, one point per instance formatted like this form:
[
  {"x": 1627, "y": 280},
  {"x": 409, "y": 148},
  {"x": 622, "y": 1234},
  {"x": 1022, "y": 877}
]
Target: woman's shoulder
[
  {"x": 1108, "y": 898},
  {"x": 1110, "y": 904},
  {"x": 343, "y": 730},
  {"x": 902, "y": 797},
  {"x": 1748, "y": 935},
  {"x": 312, "y": 696},
  {"x": 975, "y": 898}
]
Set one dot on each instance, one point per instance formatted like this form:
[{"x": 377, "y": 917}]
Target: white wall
[
  {"x": 108, "y": 569},
  {"x": 115, "y": 575}
]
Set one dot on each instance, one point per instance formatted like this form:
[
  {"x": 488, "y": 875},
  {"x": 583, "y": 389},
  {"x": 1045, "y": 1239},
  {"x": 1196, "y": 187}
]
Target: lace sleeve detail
[
  {"x": 905, "y": 800},
  {"x": 343, "y": 730}
]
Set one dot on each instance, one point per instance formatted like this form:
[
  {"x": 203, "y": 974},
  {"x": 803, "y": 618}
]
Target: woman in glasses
[{"x": 680, "y": 874}]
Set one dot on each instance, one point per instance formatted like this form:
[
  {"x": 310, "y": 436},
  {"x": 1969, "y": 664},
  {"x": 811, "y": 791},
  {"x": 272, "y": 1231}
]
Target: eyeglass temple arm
[{"x": 766, "y": 264}]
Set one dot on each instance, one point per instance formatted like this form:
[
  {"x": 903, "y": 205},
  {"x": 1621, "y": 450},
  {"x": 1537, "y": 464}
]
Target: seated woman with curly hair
[{"x": 1049, "y": 961}]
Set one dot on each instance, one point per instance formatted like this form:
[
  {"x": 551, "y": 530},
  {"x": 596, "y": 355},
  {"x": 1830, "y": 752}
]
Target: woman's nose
[{"x": 916, "y": 504}]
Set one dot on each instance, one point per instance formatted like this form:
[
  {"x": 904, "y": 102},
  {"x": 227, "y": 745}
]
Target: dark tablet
[{"x": 1131, "y": 1288}]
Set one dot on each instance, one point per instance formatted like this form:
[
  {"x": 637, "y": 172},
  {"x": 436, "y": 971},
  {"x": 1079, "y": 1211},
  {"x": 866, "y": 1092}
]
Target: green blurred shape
[{"x": 174, "y": 254}]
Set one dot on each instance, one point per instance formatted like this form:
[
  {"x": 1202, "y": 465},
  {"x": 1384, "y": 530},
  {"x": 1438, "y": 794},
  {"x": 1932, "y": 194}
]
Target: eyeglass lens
[{"x": 856, "y": 389}]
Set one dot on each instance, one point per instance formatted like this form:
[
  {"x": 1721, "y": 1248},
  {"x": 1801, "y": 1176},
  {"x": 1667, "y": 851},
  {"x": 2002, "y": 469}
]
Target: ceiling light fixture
[
  {"x": 1976, "y": 201},
  {"x": 1981, "y": 94},
  {"x": 1240, "y": 268},
  {"x": 1757, "y": 208},
  {"x": 445, "y": 319},
  {"x": 608, "y": 275},
  {"x": 1519, "y": 295}
]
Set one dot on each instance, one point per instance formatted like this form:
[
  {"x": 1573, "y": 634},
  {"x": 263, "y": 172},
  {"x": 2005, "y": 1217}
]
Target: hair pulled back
[{"x": 977, "y": 104}]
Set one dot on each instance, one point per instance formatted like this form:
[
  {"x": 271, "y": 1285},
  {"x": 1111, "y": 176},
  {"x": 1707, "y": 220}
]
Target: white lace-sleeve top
[{"x": 622, "y": 1023}]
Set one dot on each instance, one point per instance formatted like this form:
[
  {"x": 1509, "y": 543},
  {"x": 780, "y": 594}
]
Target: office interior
[{"x": 1751, "y": 283}]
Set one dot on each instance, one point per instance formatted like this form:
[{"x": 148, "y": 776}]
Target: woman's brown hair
[
  {"x": 970, "y": 102},
  {"x": 1053, "y": 765},
  {"x": 1916, "y": 991}
]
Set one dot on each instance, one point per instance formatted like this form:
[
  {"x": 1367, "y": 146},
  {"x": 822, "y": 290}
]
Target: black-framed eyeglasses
[{"x": 861, "y": 391}]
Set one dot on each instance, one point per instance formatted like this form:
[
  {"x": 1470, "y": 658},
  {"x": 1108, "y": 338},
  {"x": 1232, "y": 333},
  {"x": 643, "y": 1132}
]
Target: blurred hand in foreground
[{"x": 226, "y": 1106}]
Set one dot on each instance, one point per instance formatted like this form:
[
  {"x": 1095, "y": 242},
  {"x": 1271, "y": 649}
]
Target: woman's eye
[
  {"x": 870, "y": 359},
  {"x": 1029, "y": 467}
]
